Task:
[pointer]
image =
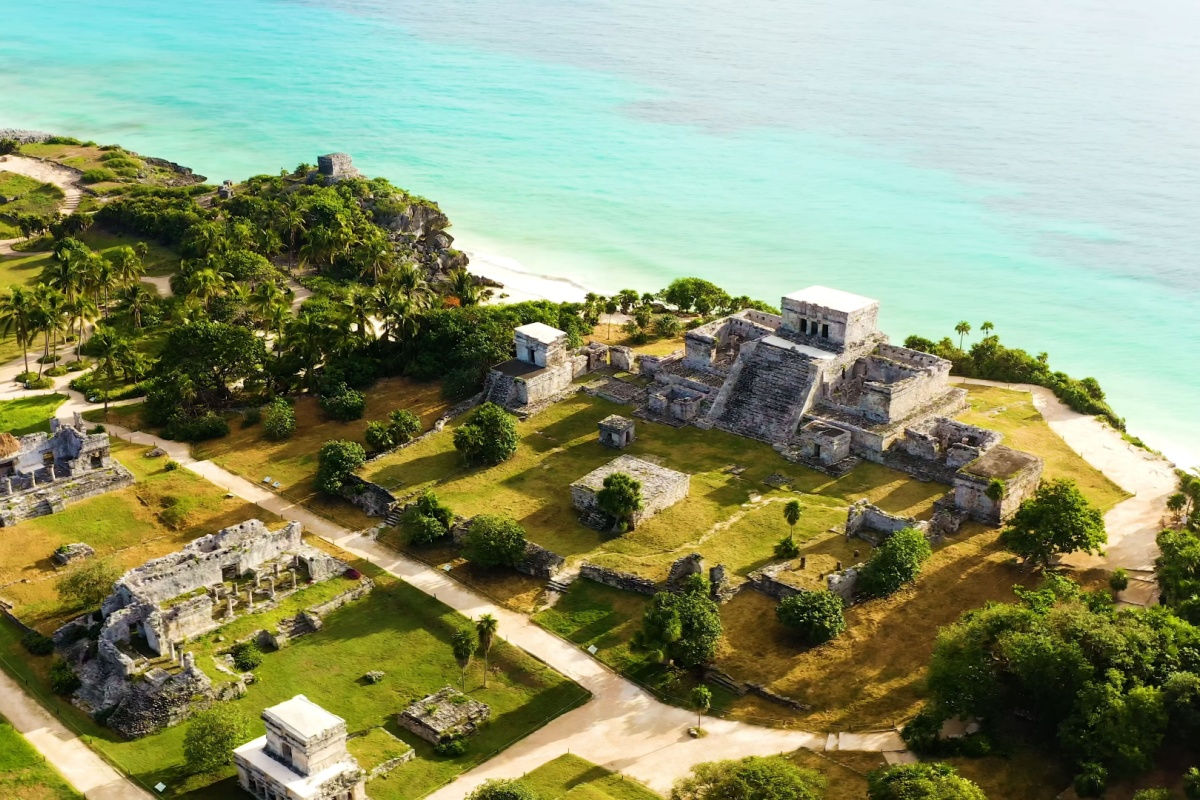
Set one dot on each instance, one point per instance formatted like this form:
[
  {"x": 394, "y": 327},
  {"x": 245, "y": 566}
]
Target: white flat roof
[
  {"x": 541, "y": 332},
  {"x": 304, "y": 717},
  {"x": 831, "y": 298},
  {"x": 254, "y": 753},
  {"x": 811, "y": 352}
]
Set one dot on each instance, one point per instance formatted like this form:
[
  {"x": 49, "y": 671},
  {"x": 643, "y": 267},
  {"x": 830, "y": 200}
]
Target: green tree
[
  {"x": 336, "y": 461},
  {"x": 279, "y": 420},
  {"x": 987, "y": 327},
  {"x": 621, "y": 499},
  {"x": 787, "y": 548},
  {"x": 211, "y": 736},
  {"x": 88, "y": 584},
  {"x": 485, "y": 629},
  {"x": 403, "y": 425},
  {"x": 962, "y": 329},
  {"x": 1191, "y": 784},
  {"x": 894, "y": 563},
  {"x": 1058, "y": 519},
  {"x": 701, "y": 698},
  {"x": 378, "y": 436},
  {"x": 463, "y": 644},
  {"x": 683, "y": 626},
  {"x": 921, "y": 782},
  {"x": 816, "y": 616},
  {"x": 17, "y": 318},
  {"x": 488, "y": 437},
  {"x": 495, "y": 541},
  {"x": 753, "y": 778},
  {"x": 497, "y": 789}
]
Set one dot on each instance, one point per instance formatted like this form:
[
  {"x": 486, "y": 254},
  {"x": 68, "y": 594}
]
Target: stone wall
[
  {"x": 626, "y": 581},
  {"x": 542, "y": 386},
  {"x": 621, "y": 358},
  {"x": 766, "y": 582},
  {"x": 371, "y": 498},
  {"x": 844, "y": 583},
  {"x": 872, "y": 524},
  {"x": 540, "y": 562}
]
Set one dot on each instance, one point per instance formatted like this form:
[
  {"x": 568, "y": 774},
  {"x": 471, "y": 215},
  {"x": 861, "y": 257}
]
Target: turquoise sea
[{"x": 1034, "y": 164}]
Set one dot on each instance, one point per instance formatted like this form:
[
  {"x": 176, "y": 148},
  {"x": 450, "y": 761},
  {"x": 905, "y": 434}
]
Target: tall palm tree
[
  {"x": 99, "y": 280},
  {"x": 81, "y": 310},
  {"x": 16, "y": 317},
  {"x": 462, "y": 643},
  {"x": 127, "y": 267},
  {"x": 359, "y": 303},
  {"x": 962, "y": 329},
  {"x": 398, "y": 315},
  {"x": 205, "y": 285},
  {"x": 987, "y": 327},
  {"x": 791, "y": 514},
  {"x": 463, "y": 286},
  {"x": 408, "y": 279},
  {"x": 49, "y": 314},
  {"x": 136, "y": 299},
  {"x": 485, "y": 629},
  {"x": 108, "y": 348},
  {"x": 375, "y": 256}
]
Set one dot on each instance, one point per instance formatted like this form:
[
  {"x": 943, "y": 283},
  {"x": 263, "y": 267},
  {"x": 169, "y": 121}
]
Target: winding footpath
[{"x": 623, "y": 727}]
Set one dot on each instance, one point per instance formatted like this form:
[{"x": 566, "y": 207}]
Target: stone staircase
[
  {"x": 767, "y": 392},
  {"x": 393, "y": 516},
  {"x": 498, "y": 389}
]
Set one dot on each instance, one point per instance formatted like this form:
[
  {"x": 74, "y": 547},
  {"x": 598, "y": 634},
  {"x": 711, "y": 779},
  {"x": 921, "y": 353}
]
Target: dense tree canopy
[
  {"x": 211, "y": 736},
  {"x": 495, "y": 541},
  {"x": 620, "y": 498},
  {"x": 488, "y": 437},
  {"x": 921, "y": 782},
  {"x": 684, "y": 626},
  {"x": 753, "y": 778},
  {"x": 894, "y": 563},
  {"x": 815, "y": 617},
  {"x": 1057, "y": 520}
]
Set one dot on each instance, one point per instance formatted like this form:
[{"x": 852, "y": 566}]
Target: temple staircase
[
  {"x": 767, "y": 392},
  {"x": 499, "y": 388}
]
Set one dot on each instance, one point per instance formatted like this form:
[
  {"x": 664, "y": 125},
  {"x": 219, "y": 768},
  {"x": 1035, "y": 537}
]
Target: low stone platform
[{"x": 447, "y": 714}]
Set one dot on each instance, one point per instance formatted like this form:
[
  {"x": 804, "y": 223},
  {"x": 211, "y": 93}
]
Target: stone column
[
  {"x": 249, "y": 598},
  {"x": 271, "y": 587},
  {"x": 229, "y": 604},
  {"x": 293, "y": 579}
]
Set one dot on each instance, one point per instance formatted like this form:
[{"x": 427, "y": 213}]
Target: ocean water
[{"x": 1034, "y": 164}]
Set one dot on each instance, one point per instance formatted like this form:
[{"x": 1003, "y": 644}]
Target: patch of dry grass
[{"x": 615, "y": 335}]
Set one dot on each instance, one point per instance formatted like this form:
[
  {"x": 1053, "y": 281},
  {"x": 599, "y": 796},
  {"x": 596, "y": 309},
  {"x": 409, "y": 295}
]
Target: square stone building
[
  {"x": 542, "y": 369},
  {"x": 661, "y": 488},
  {"x": 303, "y": 756},
  {"x": 444, "y": 715},
  {"x": 616, "y": 431},
  {"x": 1017, "y": 471}
]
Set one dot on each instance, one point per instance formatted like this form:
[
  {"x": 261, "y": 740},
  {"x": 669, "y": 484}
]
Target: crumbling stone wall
[
  {"x": 626, "y": 581},
  {"x": 373, "y": 499},
  {"x": 872, "y": 524}
]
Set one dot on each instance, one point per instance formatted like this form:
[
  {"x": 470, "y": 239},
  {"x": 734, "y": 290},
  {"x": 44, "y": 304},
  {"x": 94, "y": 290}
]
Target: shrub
[
  {"x": 171, "y": 465},
  {"x": 620, "y": 498},
  {"x": 666, "y": 326},
  {"x": 404, "y": 425},
  {"x": 922, "y": 733},
  {"x": 40, "y": 383},
  {"x": 88, "y": 584},
  {"x": 246, "y": 656},
  {"x": 336, "y": 461},
  {"x": 684, "y": 626},
  {"x": 495, "y": 541},
  {"x": 343, "y": 403},
  {"x": 378, "y": 436},
  {"x": 63, "y": 679},
  {"x": 753, "y": 778},
  {"x": 451, "y": 748},
  {"x": 279, "y": 420},
  {"x": 503, "y": 790},
  {"x": 1191, "y": 784},
  {"x": 816, "y": 617},
  {"x": 56, "y": 372},
  {"x": 423, "y": 529},
  {"x": 209, "y": 425},
  {"x": 1119, "y": 580},
  {"x": 211, "y": 736},
  {"x": 1152, "y": 794},
  {"x": 251, "y": 417},
  {"x": 99, "y": 175},
  {"x": 37, "y": 644},
  {"x": 895, "y": 563},
  {"x": 920, "y": 782},
  {"x": 488, "y": 437},
  {"x": 787, "y": 548}
]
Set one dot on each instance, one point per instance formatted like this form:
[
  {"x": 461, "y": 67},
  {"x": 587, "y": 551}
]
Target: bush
[
  {"x": 922, "y": 734},
  {"x": 666, "y": 326},
  {"x": 378, "y": 436},
  {"x": 251, "y": 417},
  {"x": 63, "y": 679},
  {"x": 40, "y": 383},
  {"x": 1119, "y": 580},
  {"x": 488, "y": 437},
  {"x": 99, "y": 175},
  {"x": 279, "y": 420},
  {"x": 921, "y": 782},
  {"x": 336, "y": 461},
  {"x": 246, "y": 656},
  {"x": 451, "y": 748},
  {"x": 895, "y": 563},
  {"x": 209, "y": 425},
  {"x": 424, "y": 530},
  {"x": 343, "y": 403},
  {"x": 404, "y": 424},
  {"x": 495, "y": 541},
  {"x": 171, "y": 465},
  {"x": 56, "y": 372},
  {"x": 88, "y": 584},
  {"x": 211, "y": 736},
  {"x": 37, "y": 644},
  {"x": 503, "y": 790},
  {"x": 816, "y": 617},
  {"x": 1152, "y": 794},
  {"x": 787, "y": 548},
  {"x": 684, "y": 626},
  {"x": 1191, "y": 784},
  {"x": 753, "y": 778}
]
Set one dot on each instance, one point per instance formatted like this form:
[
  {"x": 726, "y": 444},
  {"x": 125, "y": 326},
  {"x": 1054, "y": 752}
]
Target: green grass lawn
[
  {"x": 32, "y": 197},
  {"x": 90, "y": 156},
  {"x": 396, "y": 629},
  {"x": 160, "y": 513},
  {"x": 574, "y": 778},
  {"x": 24, "y": 774},
  {"x": 29, "y": 414},
  {"x": 731, "y": 516}
]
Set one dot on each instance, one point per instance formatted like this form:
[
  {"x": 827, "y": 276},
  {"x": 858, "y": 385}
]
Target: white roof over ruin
[
  {"x": 303, "y": 717},
  {"x": 255, "y": 754},
  {"x": 835, "y": 299},
  {"x": 541, "y": 332}
]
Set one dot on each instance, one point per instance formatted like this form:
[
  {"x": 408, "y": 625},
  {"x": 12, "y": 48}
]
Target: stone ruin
[
  {"x": 130, "y": 657},
  {"x": 1015, "y": 473},
  {"x": 616, "y": 431},
  {"x": 333, "y": 167},
  {"x": 41, "y": 473},
  {"x": 75, "y": 551},
  {"x": 447, "y": 714},
  {"x": 302, "y": 756},
  {"x": 542, "y": 370},
  {"x": 661, "y": 488},
  {"x": 225, "y": 190},
  {"x": 874, "y": 525}
]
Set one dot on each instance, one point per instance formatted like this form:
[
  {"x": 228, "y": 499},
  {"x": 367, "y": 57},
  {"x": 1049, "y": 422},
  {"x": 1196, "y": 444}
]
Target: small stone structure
[
  {"x": 41, "y": 473},
  {"x": 153, "y": 609},
  {"x": 1016, "y": 473},
  {"x": 302, "y": 756},
  {"x": 333, "y": 167},
  {"x": 825, "y": 444},
  {"x": 616, "y": 431},
  {"x": 626, "y": 581},
  {"x": 447, "y": 714},
  {"x": 72, "y": 552},
  {"x": 683, "y": 568},
  {"x": 542, "y": 370},
  {"x": 874, "y": 525},
  {"x": 661, "y": 488},
  {"x": 225, "y": 190}
]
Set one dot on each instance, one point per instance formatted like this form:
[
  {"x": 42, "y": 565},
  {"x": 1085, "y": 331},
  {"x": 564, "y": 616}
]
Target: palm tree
[
  {"x": 48, "y": 316},
  {"x": 291, "y": 221},
  {"x": 485, "y": 629},
  {"x": 463, "y": 643},
  {"x": 987, "y": 327},
  {"x": 16, "y": 317},
  {"x": 962, "y": 329},
  {"x": 408, "y": 279},
  {"x": 82, "y": 310},
  {"x": 463, "y": 286},
  {"x": 127, "y": 267},
  {"x": 359, "y": 303},
  {"x": 100, "y": 277},
  {"x": 791, "y": 513},
  {"x": 610, "y": 308},
  {"x": 137, "y": 299},
  {"x": 375, "y": 256},
  {"x": 205, "y": 285},
  {"x": 109, "y": 348},
  {"x": 1176, "y": 504}
]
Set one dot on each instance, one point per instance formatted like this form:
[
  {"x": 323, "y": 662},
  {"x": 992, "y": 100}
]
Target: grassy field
[
  {"x": 1011, "y": 412},
  {"x": 615, "y": 335},
  {"x": 32, "y": 197},
  {"x": 89, "y": 156},
  {"x": 29, "y": 414},
  {"x": 572, "y": 778},
  {"x": 731, "y": 516},
  {"x": 24, "y": 774},
  {"x": 396, "y": 629},
  {"x": 159, "y": 514}
]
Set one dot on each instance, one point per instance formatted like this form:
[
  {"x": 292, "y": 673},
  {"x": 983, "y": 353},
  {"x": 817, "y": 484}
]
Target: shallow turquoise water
[{"x": 1034, "y": 166}]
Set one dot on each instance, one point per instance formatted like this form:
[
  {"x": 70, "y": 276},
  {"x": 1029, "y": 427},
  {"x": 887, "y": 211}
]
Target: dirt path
[
  {"x": 1133, "y": 523},
  {"x": 64, "y": 178},
  {"x": 82, "y": 768}
]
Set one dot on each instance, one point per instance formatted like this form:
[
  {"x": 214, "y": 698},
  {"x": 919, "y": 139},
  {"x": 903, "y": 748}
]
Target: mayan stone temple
[{"x": 41, "y": 473}]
